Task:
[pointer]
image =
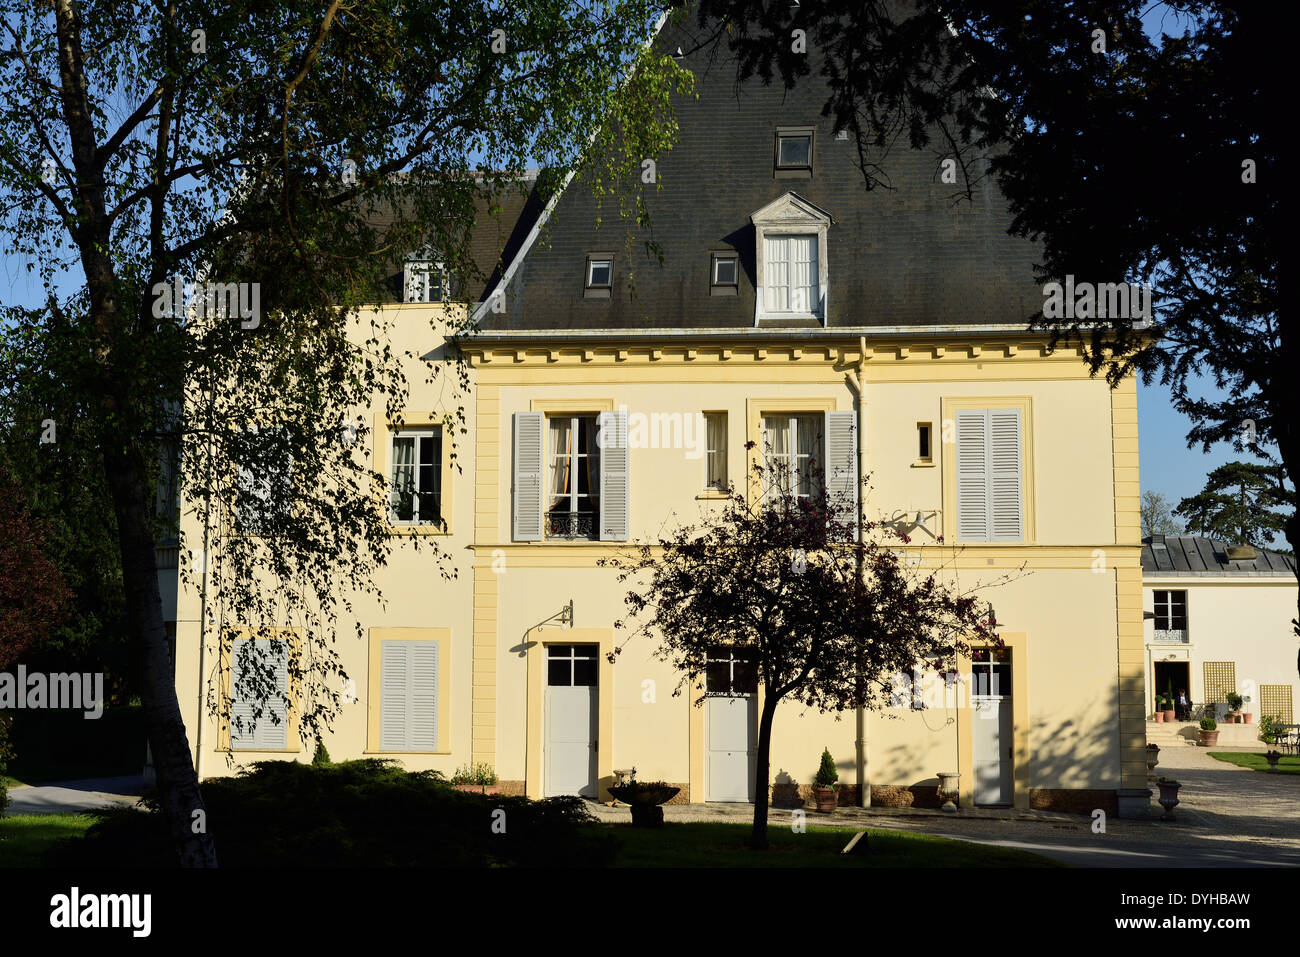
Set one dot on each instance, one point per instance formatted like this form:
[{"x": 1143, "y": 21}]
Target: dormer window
[
  {"x": 724, "y": 273},
  {"x": 423, "y": 280},
  {"x": 794, "y": 148},
  {"x": 792, "y": 281},
  {"x": 599, "y": 275}
]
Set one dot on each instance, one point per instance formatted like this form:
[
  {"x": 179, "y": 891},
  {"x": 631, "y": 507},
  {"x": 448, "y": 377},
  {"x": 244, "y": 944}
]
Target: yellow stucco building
[{"x": 791, "y": 305}]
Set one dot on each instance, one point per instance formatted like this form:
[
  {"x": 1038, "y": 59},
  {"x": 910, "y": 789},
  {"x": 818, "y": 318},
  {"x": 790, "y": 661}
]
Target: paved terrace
[{"x": 1228, "y": 817}]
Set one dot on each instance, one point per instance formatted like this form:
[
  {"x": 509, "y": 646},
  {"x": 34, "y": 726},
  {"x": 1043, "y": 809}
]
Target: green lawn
[
  {"x": 24, "y": 838},
  {"x": 7, "y": 782},
  {"x": 1290, "y": 763},
  {"x": 723, "y": 845}
]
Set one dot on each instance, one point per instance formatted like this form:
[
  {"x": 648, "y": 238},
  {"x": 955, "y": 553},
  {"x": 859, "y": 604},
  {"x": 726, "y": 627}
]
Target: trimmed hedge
[{"x": 367, "y": 813}]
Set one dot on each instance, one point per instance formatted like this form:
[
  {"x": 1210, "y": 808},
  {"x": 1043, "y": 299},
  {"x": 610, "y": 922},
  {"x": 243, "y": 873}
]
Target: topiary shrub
[
  {"x": 321, "y": 756},
  {"x": 1209, "y": 724},
  {"x": 827, "y": 775}
]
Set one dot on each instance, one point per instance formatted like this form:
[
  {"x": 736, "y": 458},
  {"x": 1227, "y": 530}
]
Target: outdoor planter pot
[
  {"x": 827, "y": 799},
  {"x": 948, "y": 789},
  {"x": 1153, "y": 756},
  {"x": 1272, "y": 757},
  {"x": 1160, "y": 717},
  {"x": 645, "y": 798},
  {"x": 1208, "y": 738},
  {"x": 1169, "y": 715},
  {"x": 1248, "y": 716},
  {"x": 1168, "y": 797}
]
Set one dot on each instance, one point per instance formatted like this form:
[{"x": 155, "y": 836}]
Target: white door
[
  {"x": 570, "y": 721},
  {"x": 992, "y": 741},
  {"x": 993, "y": 744},
  {"x": 730, "y": 723}
]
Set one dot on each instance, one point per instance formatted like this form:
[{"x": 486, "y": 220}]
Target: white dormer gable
[{"x": 791, "y": 260}]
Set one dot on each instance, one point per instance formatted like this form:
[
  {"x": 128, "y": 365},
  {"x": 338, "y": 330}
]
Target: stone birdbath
[{"x": 645, "y": 799}]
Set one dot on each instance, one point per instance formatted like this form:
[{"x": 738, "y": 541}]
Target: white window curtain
[
  {"x": 716, "y": 437},
  {"x": 403, "y": 486},
  {"x": 793, "y": 449},
  {"x": 790, "y": 274}
]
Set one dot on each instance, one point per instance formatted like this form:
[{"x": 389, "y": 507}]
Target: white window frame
[
  {"x": 417, "y": 281},
  {"x": 575, "y": 457},
  {"x": 769, "y": 458},
  {"x": 415, "y": 435},
  {"x": 791, "y": 215},
  {"x": 719, "y": 259},
  {"x": 795, "y": 133}
]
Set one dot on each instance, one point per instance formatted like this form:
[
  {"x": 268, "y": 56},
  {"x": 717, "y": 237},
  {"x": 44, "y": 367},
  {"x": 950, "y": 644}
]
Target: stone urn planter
[
  {"x": 645, "y": 798},
  {"x": 1273, "y": 757},
  {"x": 948, "y": 789},
  {"x": 1168, "y": 797},
  {"x": 1153, "y": 756}
]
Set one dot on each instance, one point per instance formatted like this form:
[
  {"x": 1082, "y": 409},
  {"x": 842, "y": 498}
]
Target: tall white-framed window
[
  {"x": 790, "y": 274},
  {"x": 573, "y": 482},
  {"x": 1170, "y": 615},
  {"x": 793, "y": 454},
  {"x": 415, "y": 477},
  {"x": 424, "y": 280},
  {"x": 715, "y": 433}
]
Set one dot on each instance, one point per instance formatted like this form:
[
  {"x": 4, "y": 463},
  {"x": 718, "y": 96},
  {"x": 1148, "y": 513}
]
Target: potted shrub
[
  {"x": 1234, "y": 706},
  {"x": 826, "y": 784},
  {"x": 645, "y": 799},
  {"x": 1209, "y": 732},
  {"x": 1268, "y": 728},
  {"x": 477, "y": 778}
]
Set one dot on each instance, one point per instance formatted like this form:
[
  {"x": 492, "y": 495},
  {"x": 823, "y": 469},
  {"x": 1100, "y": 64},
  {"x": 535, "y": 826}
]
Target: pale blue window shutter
[
  {"x": 614, "y": 477},
  {"x": 408, "y": 703},
  {"x": 1005, "y": 467},
  {"x": 842, "y": 465},
  {"x": 422, "y": 714},
  {"x": 527, "y": 476},
  {"x": 972, "y": 476},
  {"x": 394, "y": 675},
  {"x": 989, "y": 476},
  {"x": 269, "y": 731}
]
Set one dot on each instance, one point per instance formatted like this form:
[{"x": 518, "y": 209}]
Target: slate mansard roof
[
  {"x": 902, "y": 257},
  {"x": 1176, "y": 555}
]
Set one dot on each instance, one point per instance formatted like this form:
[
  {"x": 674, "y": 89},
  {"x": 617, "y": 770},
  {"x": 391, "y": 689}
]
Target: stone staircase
[
  {"x": 1172, "y": 734},
  {"x": 1232, "y": 737}
]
